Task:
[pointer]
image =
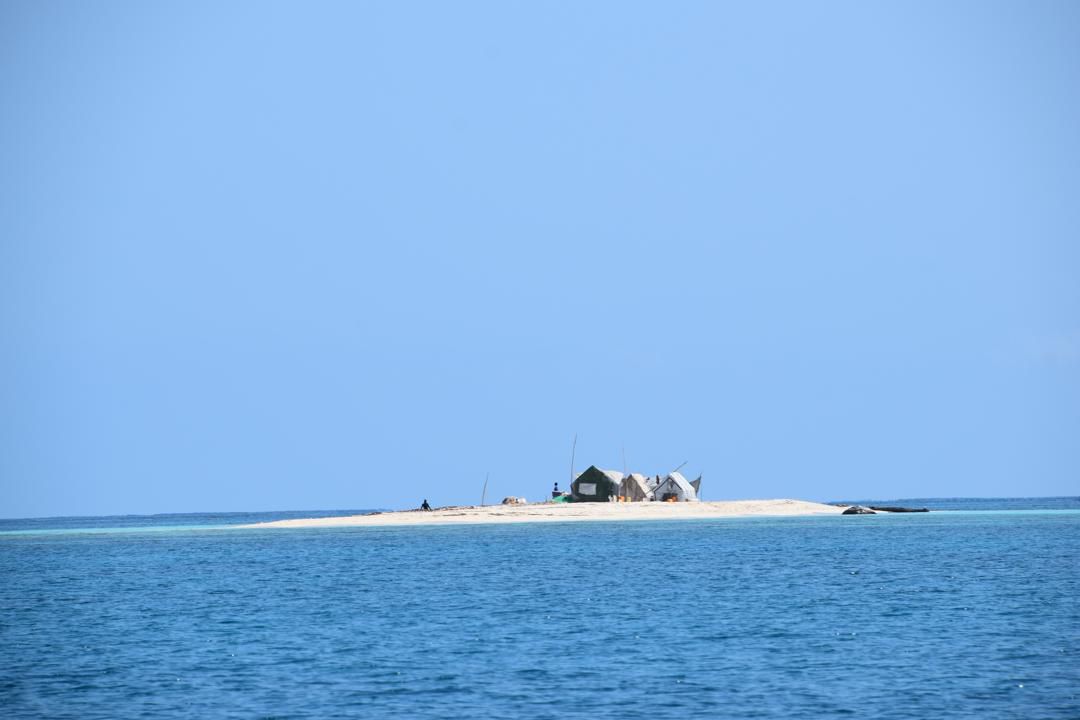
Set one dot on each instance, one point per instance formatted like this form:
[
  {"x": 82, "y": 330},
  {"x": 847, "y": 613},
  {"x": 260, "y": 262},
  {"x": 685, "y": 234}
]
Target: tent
[
  {"x": 596, "y": 485},
  {"x": 676, "y": 487},
  {"x": 635, "y": 488}
]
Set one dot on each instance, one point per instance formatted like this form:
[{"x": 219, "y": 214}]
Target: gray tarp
[{"x": 635, "y": 488}]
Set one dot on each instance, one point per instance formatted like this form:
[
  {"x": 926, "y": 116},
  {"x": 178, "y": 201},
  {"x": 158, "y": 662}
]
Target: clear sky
[{"x": 305, "y": 255}]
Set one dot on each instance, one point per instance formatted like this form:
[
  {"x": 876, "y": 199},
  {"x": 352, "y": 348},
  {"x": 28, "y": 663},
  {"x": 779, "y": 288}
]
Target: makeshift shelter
[
  {"x": 635, "y": 488},
  {"x": 676, "y": 487},
  {"x": 596, "y": 485}
]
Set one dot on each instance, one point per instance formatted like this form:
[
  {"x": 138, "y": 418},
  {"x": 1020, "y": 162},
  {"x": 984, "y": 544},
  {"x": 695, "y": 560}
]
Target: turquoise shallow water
[{"x": 943, "y": 615}]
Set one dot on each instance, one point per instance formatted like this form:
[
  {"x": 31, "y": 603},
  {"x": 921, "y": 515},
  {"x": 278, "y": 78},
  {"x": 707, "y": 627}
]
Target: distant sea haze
[{"x": 951, "y": 614}]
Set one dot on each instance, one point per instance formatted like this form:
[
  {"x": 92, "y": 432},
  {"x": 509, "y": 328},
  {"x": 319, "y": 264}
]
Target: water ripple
[{"x": 940, "y": 615}]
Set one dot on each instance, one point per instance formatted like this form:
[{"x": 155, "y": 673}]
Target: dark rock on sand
[
  {"x": 858, "y": 510},
  {"x": 888, "y": 508}
]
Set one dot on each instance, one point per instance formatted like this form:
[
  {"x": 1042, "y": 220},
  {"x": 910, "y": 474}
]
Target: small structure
[
  {"x": 596, "y": 485},
  {"x": 635, "y": 487},
  {"x": 676, "y": 488}
]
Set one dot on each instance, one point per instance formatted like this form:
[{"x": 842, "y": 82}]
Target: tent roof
[
  {"x": 612, "y": 475},
  {"x": 678, "y": 477}
]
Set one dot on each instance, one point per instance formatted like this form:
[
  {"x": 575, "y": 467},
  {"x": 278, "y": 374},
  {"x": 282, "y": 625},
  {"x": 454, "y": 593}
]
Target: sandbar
[{"x": 566, "y": 512}]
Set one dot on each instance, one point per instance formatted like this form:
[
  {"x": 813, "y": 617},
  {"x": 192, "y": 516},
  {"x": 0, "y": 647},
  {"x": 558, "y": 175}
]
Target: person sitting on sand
[{"x": 425, "y": 505}]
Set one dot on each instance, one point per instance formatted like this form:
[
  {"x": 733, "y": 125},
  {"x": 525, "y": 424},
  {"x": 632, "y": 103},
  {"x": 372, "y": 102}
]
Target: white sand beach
[{"x": 567, "y": 512}]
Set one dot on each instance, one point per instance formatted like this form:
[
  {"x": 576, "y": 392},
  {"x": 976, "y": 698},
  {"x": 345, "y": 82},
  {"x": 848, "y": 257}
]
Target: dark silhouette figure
[{"x": 425, "y": 505}]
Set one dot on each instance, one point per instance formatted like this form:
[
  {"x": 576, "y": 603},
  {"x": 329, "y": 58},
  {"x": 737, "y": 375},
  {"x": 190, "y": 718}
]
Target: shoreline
[{"x": 565, "y": 512}]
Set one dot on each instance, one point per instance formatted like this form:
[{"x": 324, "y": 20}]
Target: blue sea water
[{"x": 965, "y": 614}]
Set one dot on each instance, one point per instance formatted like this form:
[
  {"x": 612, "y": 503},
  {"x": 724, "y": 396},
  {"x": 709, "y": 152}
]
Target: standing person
[{"x": 425, "y": 505}]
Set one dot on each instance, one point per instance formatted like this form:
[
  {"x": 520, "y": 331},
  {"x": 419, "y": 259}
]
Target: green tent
[{"x": 596, "y": 485}]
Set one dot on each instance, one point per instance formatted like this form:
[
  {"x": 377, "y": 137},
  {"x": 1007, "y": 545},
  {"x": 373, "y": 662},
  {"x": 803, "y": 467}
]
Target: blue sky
[{"x": 343, "y": 255}]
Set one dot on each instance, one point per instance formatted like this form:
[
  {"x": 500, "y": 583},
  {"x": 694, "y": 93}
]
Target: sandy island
[{"x": 567, "y": 512}]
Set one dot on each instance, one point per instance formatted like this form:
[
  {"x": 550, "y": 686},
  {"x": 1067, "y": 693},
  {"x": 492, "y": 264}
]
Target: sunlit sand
[{"x": 568, "y": 512}]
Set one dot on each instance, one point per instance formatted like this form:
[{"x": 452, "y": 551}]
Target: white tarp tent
[{"x": 676, "y": 487}]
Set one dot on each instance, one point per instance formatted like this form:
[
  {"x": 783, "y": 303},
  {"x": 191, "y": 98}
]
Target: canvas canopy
[
  {"x": 676, "y": 487},
  {"x": 596, "y": 485},
  {"x": 635, "y": 488}
]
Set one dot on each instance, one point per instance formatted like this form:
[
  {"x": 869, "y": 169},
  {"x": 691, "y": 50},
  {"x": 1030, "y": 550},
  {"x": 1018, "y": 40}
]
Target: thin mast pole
[{"x": 573, "y": 449}]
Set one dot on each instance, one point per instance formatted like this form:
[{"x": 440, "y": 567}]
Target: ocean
[{"x": 971, "y": 611}]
